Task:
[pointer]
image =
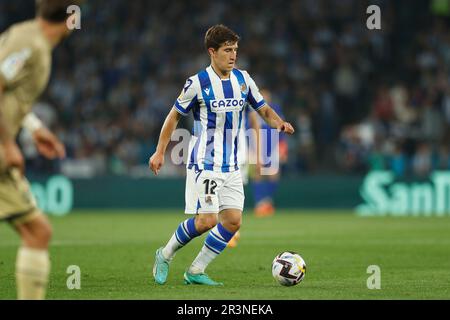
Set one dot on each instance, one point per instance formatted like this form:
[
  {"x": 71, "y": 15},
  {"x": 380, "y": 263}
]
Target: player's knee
[
  {"x": 236, "y": 225},
  {"x": 46, "y": 234},
  {"x": 42, "y": 235},
  {"x": 206, "y": 222},
  {"x": 233, "y": 224}
]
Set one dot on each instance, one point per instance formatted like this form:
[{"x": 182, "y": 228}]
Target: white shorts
[{"x": 211, "y": 192}]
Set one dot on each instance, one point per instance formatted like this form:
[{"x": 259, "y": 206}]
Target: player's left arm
[
  {"x": 274, "y": 120},
  {"x": 47, "y": 143},
  {"x": 269, "y": 115}
]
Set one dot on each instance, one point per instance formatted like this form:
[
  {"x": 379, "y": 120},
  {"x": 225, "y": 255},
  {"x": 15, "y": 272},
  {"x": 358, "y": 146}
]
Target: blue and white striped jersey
[{"x": 217, "y": 105}]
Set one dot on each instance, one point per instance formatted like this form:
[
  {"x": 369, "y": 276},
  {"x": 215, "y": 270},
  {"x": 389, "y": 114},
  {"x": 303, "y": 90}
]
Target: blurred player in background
[
  {"x": 265, "y": 186},
  {"x": 25, "y": 63},
  {"x": 216, "y": 96},
  {"x": 249, "y": 144}
]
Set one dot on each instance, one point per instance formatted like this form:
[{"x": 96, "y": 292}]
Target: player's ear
[{"x": 211, "y": 51}]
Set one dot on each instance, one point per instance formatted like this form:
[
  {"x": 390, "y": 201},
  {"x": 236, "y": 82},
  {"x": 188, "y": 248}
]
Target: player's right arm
[
  {"x": 11, "y": 152},
  {"x": 184, "y": 103},
  {"x": 170, "y": 124}
]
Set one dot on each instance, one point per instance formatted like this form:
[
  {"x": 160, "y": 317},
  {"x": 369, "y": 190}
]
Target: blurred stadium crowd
[{"x": 359, "y": 98}]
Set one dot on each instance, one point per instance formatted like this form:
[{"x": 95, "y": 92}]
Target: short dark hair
[
  {"x": 55, "y": 10},
  {"x": 218, "y": 35}
]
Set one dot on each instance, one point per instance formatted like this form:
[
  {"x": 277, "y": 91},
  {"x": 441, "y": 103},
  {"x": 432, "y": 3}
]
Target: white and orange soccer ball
[{"x": 288, "y": 268}]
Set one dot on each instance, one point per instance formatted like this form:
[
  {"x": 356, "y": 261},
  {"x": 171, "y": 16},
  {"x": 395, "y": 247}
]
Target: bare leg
[{"x": 33, "y": 264}]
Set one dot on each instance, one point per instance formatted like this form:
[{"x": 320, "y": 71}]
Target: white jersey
[{"x": 218, "y": 106}]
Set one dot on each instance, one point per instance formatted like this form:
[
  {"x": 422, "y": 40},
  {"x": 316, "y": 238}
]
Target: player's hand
[
  {"x": 48, "y": 144},
  {"x": 156, "y": 162},
  {"x": 286, "y": 127},
  {"x": 13, "y": 156}
]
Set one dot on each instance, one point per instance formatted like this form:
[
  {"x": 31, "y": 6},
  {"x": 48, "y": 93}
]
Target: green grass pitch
[{"x": 115, "y": 252}]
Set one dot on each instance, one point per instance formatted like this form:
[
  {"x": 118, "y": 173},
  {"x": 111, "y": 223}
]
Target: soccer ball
[{"x": 288, "y": 268}]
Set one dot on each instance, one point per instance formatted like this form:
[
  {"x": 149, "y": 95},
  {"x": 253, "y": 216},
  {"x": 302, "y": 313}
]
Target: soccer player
[
  {"x": 216, "y": 96},
  {"x": 248, "y": 144},
  {"x": 265, "y": 186},
  {"x": 25, "y": 61}
]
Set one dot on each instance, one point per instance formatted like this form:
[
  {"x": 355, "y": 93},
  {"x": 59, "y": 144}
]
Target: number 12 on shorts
[{"x": 210, "y": 183}]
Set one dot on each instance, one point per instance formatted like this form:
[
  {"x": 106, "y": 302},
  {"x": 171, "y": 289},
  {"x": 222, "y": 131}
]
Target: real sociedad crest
[{"x": 243, "y": 88}]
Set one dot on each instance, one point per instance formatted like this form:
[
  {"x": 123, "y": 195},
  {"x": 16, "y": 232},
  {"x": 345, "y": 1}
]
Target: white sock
[
  {"x": 185, "y": 232},
  {"x": 203, "y": 259},
  {"x": 215, "y": 243},
  {"x": 32, "y": 270},
  {"x": 171, "y": 248}
]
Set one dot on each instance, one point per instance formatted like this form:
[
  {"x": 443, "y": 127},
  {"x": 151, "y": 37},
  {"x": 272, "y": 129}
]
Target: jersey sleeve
[
  {"x": 255, "y": 99},
  {"x": 14, "y": 62},
  {"x": 188, "y": 97}
]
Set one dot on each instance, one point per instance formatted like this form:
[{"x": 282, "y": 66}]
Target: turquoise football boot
[
  {"x": 200, "y": 278},
  {"x": 160, "y": 268}
]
